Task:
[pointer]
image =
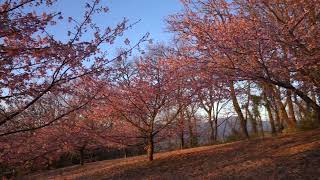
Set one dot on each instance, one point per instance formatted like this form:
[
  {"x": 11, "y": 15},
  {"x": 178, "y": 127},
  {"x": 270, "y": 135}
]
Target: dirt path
[{"x": 295, "y": 156}]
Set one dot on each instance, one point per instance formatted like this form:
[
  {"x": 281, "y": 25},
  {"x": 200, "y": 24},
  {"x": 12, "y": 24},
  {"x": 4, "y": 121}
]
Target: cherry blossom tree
[
  {"x": 35, "y": 63},
  {"x": 144, "y": 95},
  {"x": 253, "y": 40}
]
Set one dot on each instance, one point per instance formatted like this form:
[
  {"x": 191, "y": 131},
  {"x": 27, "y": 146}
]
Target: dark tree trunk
[
  {"x": 211, "y": 136},
  {"x": 150, "y": 148},
  {"x": 125, "y": 152},
  {"x": 81, "y": 156},
  {"x": 290, "y": 107},
  {"x": 253, "y": 121},
  {"x": 280, "y": 126},
  {"x": 302, "y": 95},
  {"x": 302, "y": 110},
  {"x": 271, "y": 120},
  {"x": 216, "y": 128},
  {"x": 275, "y": 109},
  {"x": 243, "y": 123},
  {"x": 309, "y": 102},
  {"x": 261, "y": 126},
  {"x": 195, "y": 132},
  {"x": 191, "y": 135},
  {"x": 181, "y": 139},
  {"x": 266, "y": 96},
  {"x": 282, "y": 111},
  {"x": 48, "y": 164}
]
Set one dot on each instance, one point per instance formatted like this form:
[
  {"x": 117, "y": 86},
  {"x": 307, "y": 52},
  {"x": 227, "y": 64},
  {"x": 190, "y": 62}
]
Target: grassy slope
[{"x": 295, "y": 156}]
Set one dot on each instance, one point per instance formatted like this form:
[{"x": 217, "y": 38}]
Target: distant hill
[
  {"x": 225, "y": 128},
  {"x": 203, "y": 133}
]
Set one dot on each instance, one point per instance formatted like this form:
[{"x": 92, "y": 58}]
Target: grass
[{"x": 291, "y": 156}]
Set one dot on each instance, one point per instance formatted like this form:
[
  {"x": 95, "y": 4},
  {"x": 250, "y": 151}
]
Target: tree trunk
[
  {"x": 316, "y": 115},
  {"x": 309, "y": 102},
  {"x": 211, "y": 137},
  {"x": 290, "y": 107},
  {"x": 261, "y": 125},
  {"x": 302, "y": 95},
  {"x": 48, "y": 163},
  {"x": 150, "y": 148},
  {"x": 216, "y": 128},
  {"x": 275, "y": 111},
  {"x": 81, "y": 156},
  {"x": 267, "y": 105},
  {"x": 191, "y": 135},
  {"x": 282, "y": 111},
  {"x": 253, "y": 121},
  {"x": 195, "y": 132},
  {"x": 237, "y": 108},
  {"x": 125, "y": 152},
  {"x": 278, "y": 120},
  {"x": 271, "y": 120},
  {"x": 302, "y": 110},
  {"x": 181, "y": 139}
]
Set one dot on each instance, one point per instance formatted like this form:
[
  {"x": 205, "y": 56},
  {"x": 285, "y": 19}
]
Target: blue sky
[{"x": 151, "y": 13}]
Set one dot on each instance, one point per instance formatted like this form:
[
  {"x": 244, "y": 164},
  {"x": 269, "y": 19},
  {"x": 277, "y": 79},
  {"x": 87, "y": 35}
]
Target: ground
[{"x": 294, "y": 156}]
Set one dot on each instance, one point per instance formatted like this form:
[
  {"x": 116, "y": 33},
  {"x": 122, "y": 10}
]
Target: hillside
[{"x": 295, "y": 156}]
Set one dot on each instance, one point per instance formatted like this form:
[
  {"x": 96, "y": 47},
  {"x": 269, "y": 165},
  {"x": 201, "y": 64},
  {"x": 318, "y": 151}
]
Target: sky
[{"x": 151, "y": 14}]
